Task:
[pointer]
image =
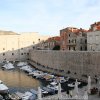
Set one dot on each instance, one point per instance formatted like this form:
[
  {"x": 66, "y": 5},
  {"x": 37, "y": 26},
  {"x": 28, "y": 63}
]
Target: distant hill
[{"x": 7, "y": 33}]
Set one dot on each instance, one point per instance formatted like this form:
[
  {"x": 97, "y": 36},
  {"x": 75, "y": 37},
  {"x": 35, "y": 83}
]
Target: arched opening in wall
[{"x": 68, "y": 72}]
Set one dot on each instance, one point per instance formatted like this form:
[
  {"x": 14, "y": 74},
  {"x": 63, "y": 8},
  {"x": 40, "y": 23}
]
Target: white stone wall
[{"x": 16, "y": 47}]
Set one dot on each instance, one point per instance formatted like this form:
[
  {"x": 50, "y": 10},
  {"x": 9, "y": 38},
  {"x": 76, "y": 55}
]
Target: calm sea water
[{"x": 17, "y": 80}]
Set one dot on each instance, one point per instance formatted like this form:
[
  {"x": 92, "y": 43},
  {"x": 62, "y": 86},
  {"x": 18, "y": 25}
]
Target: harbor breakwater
[{"x": 76, "y": 64}]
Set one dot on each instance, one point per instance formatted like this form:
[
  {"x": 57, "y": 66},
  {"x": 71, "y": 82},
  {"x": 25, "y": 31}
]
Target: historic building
[
  {"x": 93, "y": 37},
  {"x": 95, "y": 26},
  {"x": 15, "y": 47},
  {"x": 49, "y": 44},
  {"x": 73, "y": 39}
]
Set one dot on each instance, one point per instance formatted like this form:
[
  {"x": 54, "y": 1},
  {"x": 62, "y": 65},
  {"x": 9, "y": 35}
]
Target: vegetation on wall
[{"x": 57, "y": 47}]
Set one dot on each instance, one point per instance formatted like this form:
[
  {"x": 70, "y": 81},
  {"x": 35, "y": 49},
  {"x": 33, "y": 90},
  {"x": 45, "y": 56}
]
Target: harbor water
[{"x": 18, "y": 80}]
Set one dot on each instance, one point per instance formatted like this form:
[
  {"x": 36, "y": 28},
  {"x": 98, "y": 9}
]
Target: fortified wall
[{"x": 73, "y": 63}]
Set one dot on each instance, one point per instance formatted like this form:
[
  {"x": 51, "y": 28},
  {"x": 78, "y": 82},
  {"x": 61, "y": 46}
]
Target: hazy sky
[{"x": 47, "y": 16}]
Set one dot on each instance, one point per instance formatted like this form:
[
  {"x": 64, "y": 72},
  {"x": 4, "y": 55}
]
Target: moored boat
[
  {"x": 21, "y": 64},
  {"x": 8, "y": 66},
  {"x": 3, "y": 88}
]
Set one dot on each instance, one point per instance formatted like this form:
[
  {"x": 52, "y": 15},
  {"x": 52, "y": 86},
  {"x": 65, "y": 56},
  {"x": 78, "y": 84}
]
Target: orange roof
[
  {"x": 98, "y": 28},
  {"x": 95, "y": 24},
  {"x": 56, "y": 38}
]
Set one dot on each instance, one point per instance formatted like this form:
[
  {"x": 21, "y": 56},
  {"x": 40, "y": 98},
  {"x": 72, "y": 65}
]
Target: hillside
[{"x": 7, "y": 32}]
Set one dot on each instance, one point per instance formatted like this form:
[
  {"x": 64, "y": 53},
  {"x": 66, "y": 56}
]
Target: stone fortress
[
  {"x": 78, "y": 58},
  {"x": 76, "y": 64},
  {"x": 16, "y": 46}
]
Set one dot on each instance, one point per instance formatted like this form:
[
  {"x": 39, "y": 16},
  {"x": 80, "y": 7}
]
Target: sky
[{"x": 47, "y": 17}]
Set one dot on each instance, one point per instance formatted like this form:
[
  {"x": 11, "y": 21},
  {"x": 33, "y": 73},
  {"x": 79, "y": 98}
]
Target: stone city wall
[{"x": 73, "y": 63}]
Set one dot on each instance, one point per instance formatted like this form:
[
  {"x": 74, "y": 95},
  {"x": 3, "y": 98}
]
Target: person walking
[{"x": 67, "y": 92}]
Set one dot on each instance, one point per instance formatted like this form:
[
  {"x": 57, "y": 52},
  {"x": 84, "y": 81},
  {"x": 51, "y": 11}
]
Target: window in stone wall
[
  {"x": 85, "y": 41},
  {"x": 69, "y": 48},
  {"x": 3, "y": 48},
  {"x": 81, "y": 48},
  {"x": 21, "y": 53},
  {"x": 27, "y": 53},
  {"x": 12, "y": 53},
  {"x": 85, "y": 48},
  {"x": 75, "y": 73},
  {"x": 3, "y": 54},
  {"x": 74, "y": 48},
  {"x": 69, "y": 41}
]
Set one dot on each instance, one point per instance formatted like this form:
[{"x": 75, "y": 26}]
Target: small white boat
[
  {"x": 14, "y": 96},
  {"x": 54, "y": 87},
  {"x": 26, "y": 96},
  {"x": 54, "y": 83},
  {"x": 3, "y": 88},
  {"x": 26, "y": 68},
  {"x": 8, "y": 66},
  {"x": 44, "y": 91},
  {"x": 40, "y": 75},
  {"x": 19, "y": 94},
  {"x": 62, "y": 79},
  {"x": 1, "y": 97},
  {"x": 73, "y": 84},
  {"x": 37, "y": 73},
  {"x": 21, "y": 64},
  {"x": 48, "y": 77}
]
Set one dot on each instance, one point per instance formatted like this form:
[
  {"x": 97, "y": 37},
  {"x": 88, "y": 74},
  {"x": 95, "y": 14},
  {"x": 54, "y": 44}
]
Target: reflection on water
[{"x": 18, "y": 79}]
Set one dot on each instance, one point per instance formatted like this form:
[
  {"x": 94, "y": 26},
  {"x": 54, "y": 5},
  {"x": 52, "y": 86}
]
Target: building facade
[
  {"x": 49, "y": 44},
  {"x": 73, "y": 39},
  {"x": 93, "y": 37},
  {"x": 15, "y": 47},
  {"x": 95, "y": 26},
  {"x": 93, "y": 41}
]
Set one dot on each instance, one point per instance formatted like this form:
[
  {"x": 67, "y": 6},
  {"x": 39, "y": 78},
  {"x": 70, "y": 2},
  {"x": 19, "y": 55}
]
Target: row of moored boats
[{"x": 51, "y": 88}]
